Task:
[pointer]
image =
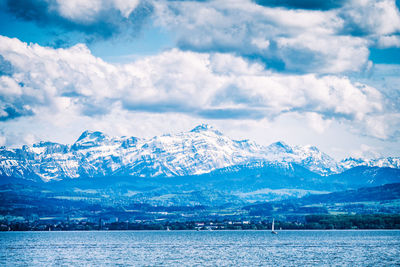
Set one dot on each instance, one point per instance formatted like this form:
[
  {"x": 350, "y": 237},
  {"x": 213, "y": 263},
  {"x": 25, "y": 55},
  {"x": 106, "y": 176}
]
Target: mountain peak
[
  {"x": 89, "y": 139},
  {"x": 354, "y": 159},
  {"x": 282, "y": 146},
  {"x": 205, "y": 128},
  {"x": 312, "y": 148},
  {"x": 44, "y": 144},
  {"x": 91, "y": 135},
  {"x": 199, "y": 151}
]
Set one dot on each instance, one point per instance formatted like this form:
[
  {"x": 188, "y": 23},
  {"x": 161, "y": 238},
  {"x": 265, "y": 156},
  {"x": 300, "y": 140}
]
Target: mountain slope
[
  {"x": 365, "y": 176},
  {"x": 199, "y": 151},
  {"x": 377, "y": 193}
]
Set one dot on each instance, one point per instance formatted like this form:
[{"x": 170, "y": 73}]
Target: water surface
[{"x": 203, "y": 248}]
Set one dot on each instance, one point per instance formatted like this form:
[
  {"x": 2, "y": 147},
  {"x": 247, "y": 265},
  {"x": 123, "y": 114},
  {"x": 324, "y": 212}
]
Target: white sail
[{"x": 273, "y": 227}]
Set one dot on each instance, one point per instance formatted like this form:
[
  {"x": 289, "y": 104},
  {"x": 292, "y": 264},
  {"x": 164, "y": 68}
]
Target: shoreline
[{"x": 207, "y": 231}]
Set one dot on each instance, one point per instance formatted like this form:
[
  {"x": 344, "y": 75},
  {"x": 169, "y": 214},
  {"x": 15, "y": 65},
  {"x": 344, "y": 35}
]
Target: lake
[{"x": 202, "y": 248}]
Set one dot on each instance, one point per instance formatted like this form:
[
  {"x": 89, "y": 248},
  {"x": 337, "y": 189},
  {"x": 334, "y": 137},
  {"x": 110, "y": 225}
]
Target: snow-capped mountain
[
  {"x": 390, "y": 162},
  {"x": 198, "y": 151}
]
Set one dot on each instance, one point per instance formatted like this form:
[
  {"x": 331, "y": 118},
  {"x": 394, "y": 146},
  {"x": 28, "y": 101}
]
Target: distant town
[{"x": 316, "y": 222}]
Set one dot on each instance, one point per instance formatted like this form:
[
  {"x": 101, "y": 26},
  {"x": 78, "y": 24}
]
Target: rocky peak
[{"x": 205, "y": 128}]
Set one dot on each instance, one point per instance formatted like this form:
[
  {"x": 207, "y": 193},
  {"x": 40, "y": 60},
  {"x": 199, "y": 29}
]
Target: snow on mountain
[
  {"x": 391, "y": 162},
  {"x": 201, "y": 150},
  {"x": 307, "y": 156}
]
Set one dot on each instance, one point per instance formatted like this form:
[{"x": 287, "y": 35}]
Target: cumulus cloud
[
  {"x": 200, "y": 85},
  {"x": 96, "y": 18},
  {"x": 88, "y": 10},
  {"x": 317, "y": 122},
  {"x": 371, "y": 17},
  {"x": 389, "y": 41},
  {"x": 309, "y": 36},
  {"x": 300, "y": 40},
  {"x": 296, "y": 36},
  {"x": 365, "y": 151}
]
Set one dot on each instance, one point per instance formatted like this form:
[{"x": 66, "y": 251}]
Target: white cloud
[
  {"x": 317, "y": 122},
  {"x": 366, "y": 152},
  {"x": 376, "y": 17},
  {"x": 260, "y": 43},
  {"x": 126, "y": 6},
  {"x": 305, "y": 41},
  {"x": 87, "y": 11},
  {"x": 3, "y": 140},
  {"x": 326, "y": 54},
  {"x": 48, "y": 82},
  {"x": 389, "y": 41},
  {"x": 333, "y": 41},
  {"x": 383, "y": 126},
  {"x": 296, "y": 40}
]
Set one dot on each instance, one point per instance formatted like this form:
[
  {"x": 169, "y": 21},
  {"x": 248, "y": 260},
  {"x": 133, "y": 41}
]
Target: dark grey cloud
[
  {"x": 38, "y": 11},
  {"x": 231, "y": 113},
  {"x": 157, "y": 107},
  {"x": 105, "y": 24},
  {"x": 208, "y": 113},
  {"x": 95, "y": 109},
  {"x": 303, "y": 4},
  {"x": 12, "y": 112}
]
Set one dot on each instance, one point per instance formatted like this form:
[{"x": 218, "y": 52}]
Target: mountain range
[
  {"x": 202, "y": 150},
  {"x": 196, "y": 175}
]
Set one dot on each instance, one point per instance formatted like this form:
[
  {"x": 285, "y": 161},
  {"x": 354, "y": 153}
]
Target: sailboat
[{"x": 273, "y": 228}]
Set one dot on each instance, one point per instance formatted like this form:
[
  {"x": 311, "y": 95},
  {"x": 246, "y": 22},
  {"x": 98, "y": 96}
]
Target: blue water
[{"x": 207, "y": 248}]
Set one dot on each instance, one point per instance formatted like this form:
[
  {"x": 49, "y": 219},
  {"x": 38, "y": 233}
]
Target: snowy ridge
[
  {"x": 390, "y": 162},
  {"x": 198, "y": 151}
]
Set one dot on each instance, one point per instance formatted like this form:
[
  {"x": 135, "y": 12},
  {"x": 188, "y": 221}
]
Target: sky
[{"x": 318, "y": 72}]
